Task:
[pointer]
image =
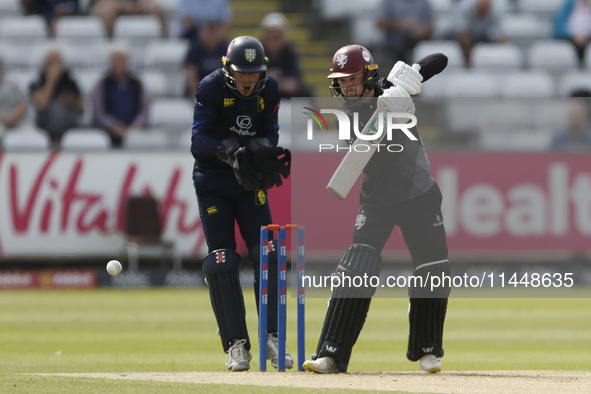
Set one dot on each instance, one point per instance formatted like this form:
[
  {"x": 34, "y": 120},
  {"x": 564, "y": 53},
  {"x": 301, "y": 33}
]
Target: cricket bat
[{"x": 354, "y": 162}]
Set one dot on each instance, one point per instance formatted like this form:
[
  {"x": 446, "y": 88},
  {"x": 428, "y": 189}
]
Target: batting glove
[
  {"x": 407, "y": 77},
  {"x": 396, "y": 99}
]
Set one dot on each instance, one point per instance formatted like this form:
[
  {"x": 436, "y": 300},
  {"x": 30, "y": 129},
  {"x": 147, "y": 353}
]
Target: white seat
[
  {"x": 138, "y": 31},
  {"x": 13, "y": 56},
  {"x": 23, "y": 29},
  {"x": 10, "y": 8},
  {"x": 449, "y": 48},
  {"x": 80, "y": 28},
  {"x": 146, "y": 139},
  {"x": 165, "y": 54},
  {"x": 575, "y": 80},
  {"x": 535, "y": 140},
  {"x": 472, "y": 84},
  {"x": 496, "y": 57},
  {"x": 170, "y": 114},
  {"x": 21, "y": 77},
  {"x": 364, "y": 30},
  {"x": 25, "y": 138},
  {"x": 553, "y": 55},
  {"x": 524, "y": 29},
  {"x": 441, "y": 6},
  {"x": 156, "y": 84},
  {"x": 86, "y": 139},
  {"x": 87, "y": 80},
  {"x": 137, "y": 28},
  {"x": 542, "y": 9},
  {"x": 531, "y": 83}
]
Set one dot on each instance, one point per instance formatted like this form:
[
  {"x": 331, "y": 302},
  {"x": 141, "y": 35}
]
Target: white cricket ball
[{"x": 114, "y": 267}]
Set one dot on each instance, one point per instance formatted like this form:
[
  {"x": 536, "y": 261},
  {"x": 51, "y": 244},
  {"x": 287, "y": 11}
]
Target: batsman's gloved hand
[
  {"x": 396, "y": 99},
  {"x": 272, "y": 162},
  {"x": 235, "y": 156},
  {"x": 406, "y": 77}
]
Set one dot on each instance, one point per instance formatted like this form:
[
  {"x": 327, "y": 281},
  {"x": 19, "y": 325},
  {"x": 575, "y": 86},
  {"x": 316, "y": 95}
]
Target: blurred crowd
[{"x": 117, "y": 66}]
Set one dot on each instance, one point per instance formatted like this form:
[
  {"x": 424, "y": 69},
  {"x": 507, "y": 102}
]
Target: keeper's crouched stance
[
  {"x": 234, "y": 143},
  {"x": 397, "y": 190}
]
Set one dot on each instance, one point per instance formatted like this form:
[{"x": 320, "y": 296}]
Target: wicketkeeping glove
[
  {"x": 235, "y": 156},
  {"x": 272, "y": 162},
  {"x": 407, "y": 77}
]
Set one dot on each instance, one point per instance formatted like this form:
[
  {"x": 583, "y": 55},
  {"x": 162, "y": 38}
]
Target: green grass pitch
[{"x": 167, "y": 330}]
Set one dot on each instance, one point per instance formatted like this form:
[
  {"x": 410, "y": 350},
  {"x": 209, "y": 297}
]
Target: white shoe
[
  {"x": 321, "y": 365},
  {"x": 430, "y": 363},
  {"x": 273, "y": 352},
  {"x": 238, "y": 358}
]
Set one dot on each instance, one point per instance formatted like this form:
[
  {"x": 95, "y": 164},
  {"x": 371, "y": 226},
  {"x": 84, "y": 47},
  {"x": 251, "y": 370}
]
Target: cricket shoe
[
  {"x": 430, "y": 363},
  {"x": 321, "y": 365},
  {"x": 237, "y": 357},
  {"x": 273, "y": 352}
]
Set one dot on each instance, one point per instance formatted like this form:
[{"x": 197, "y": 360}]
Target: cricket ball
[{"x": 114, "y": 267}]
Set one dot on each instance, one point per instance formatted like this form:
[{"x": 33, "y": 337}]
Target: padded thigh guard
[
  {"x": 221, "y": 269},
  {"x": 348, "y": 307},
  {"x": 428, "y": 306},
  {"x": 255, "y": 256}
]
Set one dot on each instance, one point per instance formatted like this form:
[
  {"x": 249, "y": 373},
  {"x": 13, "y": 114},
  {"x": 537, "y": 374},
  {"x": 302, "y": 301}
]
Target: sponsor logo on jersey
[
  {"x": 260, "y": 104},
  {"x": 244, "y": 124},
  {"x": 244, "y": 121},
  {"x": 229, "y": 102},
  {"x": 250, "y": 54},
  {"x": 260, "y": 198},
  {"x": 438, "y": 221},
  {"x": 360, "y": 221},
  {"x": 342, "y": 60},
  {"x": 212, "y": 210}
]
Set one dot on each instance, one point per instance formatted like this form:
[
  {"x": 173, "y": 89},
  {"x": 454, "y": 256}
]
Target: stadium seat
[
  {"x": 80, "y": 28},
  {"x": 171, "y": 114},
  {"x": 496, "y": 57},
  {"x": 22, "y": 77},
  {"x": 146, "y": 139},
  {"x": 575, "y": 80},
  {"x": 441, "y": 6},
  {"x": 553, "y": 55},
  {"x": 525, "y": 140},
  {"x": 23, "y": 29},
  {"x": 25, "y": 138},
  {"x": 86, "y": 139},
  {"x": 165, "y": 55},
  {"x": 364, "y": 30},
  {"x": 531, "y": 83},
  {"x": 10, "y": 8},
  {"x": 543, "y": 9},
  {"x": 156, "y": 84},
  {"x": 524, "y": 29},
  {"x": 138, "y": 31},
  {"x": 143, "y": 229},
  {"x": 472, "y": 84},
  {"x": 449, "y": 48},
  {"x": 13, "y": 56}
]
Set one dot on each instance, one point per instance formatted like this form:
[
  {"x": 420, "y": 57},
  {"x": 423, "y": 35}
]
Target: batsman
[{"x": 397, "y": 190}]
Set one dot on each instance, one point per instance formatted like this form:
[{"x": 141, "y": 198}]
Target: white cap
[{"x": 274, "y": 19}]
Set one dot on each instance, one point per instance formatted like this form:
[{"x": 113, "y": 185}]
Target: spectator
[
  {"x": 119, "y": 100},
  {"x": 204, "y": 55},
  {"x": 477, "y": 21},
  {"x": 13, "y": 103},
  {"x": 283, "y": 61},
  {"x": 573, "y": 22},
  {"x": 56, "y": 97},
  {"x": 405, "y": 23},
  {"x": 51, "y": 10},
  {"x": 577, "y": 134},
  {"x": 109, "y": 10},
  {"x": 192, "y": 14}
]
